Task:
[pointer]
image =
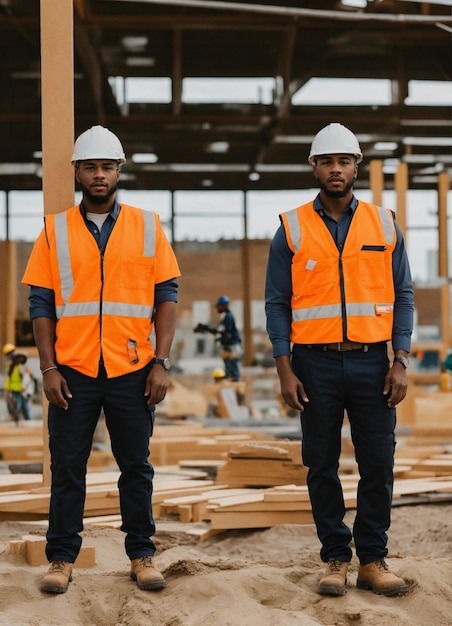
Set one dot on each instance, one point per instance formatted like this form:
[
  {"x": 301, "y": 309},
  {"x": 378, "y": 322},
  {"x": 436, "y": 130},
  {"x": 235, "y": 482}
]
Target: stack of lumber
[
  {"x": 262, "y": 482},
  {"x": 286, "y": 504},
  {"x": 269, "y": 463},
  {"x": 24, "y": 444},
  {"x": 102, "y": 498},
  {"x": 170, "y": 444}
]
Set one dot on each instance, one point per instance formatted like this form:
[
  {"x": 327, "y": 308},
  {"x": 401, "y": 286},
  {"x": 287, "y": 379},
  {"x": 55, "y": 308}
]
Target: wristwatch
[
  {"x": 403, "y": 360},
  {"x": 166, "y": 363}
]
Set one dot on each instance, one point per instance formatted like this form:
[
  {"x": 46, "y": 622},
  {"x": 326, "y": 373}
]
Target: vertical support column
[
  {"x": 445, "y": 318},
  {"x": 57, "y": 82},
  {"x": 11, "y": 292},
  {"x": 7, "y": 215},
  {"x": 401, "y": 187},
  {"x": 376, "y": 181},
  {"x": 173, "y": 220},
  {"x": 248, "y": 354},
  {"x": 443, "y": 258}
]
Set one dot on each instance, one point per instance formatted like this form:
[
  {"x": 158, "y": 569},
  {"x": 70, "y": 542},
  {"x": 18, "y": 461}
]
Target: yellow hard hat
[
  {"x": 218, "y": 373},
  {"x": 8, "y": 348}
]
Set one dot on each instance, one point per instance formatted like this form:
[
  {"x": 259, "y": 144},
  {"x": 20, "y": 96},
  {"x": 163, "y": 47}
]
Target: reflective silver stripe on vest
[
  {"x": 78, "y": 309},
  {"x": 356, "y": 309},
  {"x": 387, "y": 223},
  {"x": 64, "y": 260},
  {"x": 294, "y": 228},
  {"x": 149, "y": 234},
  {"x": 293, "y": 223},
  {"x": 316, "y": 312}
]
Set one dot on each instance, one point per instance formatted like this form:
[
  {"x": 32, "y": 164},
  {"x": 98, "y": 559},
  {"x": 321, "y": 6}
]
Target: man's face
[
  {"x": 98, "y": 179},
  {"x": 336, "y": 174}
]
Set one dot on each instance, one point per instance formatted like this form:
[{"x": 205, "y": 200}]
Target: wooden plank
[{"x": 226, "y": 520}]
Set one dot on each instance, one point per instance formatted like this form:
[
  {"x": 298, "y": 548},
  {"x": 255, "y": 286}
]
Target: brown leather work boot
[
  {"x": 333, "y": 581},
  {"x": 145, "y": 574},
  {"x": 376, "y": 576},
  {"x": 57, "y": 578}
]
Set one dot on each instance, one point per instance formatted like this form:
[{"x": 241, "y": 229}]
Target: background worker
[
  {"x": 228, "y": 336},
  {"x": 339, "y": 287},
  {"x": 215, "y": 393},
  {"x": 102, "y": 276},
  {"x": 17, "y": 384},
  {"x": 8, "y": 350}
]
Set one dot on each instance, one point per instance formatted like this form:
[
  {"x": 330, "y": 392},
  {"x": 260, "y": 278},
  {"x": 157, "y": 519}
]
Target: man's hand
[
  {"x": 292, "y": 389},
  {"x": 56, "y": 389},
  {"x": 157, "y": 384},
  {"x": 396, "y": 384}
]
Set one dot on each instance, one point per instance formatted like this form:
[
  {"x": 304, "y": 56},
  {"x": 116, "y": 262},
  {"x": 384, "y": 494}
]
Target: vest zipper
[{"x": 343, "y": 303}]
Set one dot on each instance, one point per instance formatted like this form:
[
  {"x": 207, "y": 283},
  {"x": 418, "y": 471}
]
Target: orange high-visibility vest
[
  {"x": 104, "y": 303},
  {"x": 341, "y": 296}
]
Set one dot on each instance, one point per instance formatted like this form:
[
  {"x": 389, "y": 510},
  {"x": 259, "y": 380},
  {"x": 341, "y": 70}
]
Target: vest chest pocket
[
  {"x": 372, "y": 267},
  {"x": 136, "y": 272},
  {"x": 313, "y": 276}
]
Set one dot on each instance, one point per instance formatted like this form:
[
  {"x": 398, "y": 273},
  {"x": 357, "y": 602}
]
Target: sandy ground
[{"x": 239, "y": 578}]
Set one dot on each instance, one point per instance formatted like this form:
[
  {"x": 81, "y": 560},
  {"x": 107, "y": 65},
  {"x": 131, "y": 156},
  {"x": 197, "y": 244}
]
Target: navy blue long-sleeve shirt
[
  {"x": 278, "y": 285},
  {"x": 42, "y": 300}
]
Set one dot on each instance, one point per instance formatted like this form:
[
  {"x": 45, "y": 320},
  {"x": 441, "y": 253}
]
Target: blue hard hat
[{"x": 222, "y": 300}]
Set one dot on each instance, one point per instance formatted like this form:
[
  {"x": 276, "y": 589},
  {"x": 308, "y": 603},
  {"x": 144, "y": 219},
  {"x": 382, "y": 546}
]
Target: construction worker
[
  {"x": 8, "y": 349},
  {"x": 218, "y": 374},
  {"x": 17, "y": 385},
  {"x": 214, "y": 394},
  {"x": 8, "y": 352},
  {"x": 338, "y": 287},
  {"x": 228, "y": 336},
  {"x": 103, "y": 276}
]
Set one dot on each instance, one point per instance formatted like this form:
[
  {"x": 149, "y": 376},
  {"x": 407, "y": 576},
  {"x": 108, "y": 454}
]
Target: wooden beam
[
  {"x": 401, "y": 187},
  {"x": 376, "y": 181},
  {"x": 246, "y": 286},
  {"x": 57, "y": 84},
  {"x": 443, "y": 257}
]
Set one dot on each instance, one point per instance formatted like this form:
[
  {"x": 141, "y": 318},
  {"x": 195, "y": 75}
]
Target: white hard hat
[
  {"x": 98, "y": 143},
  {"x": 335, "y": 139}
]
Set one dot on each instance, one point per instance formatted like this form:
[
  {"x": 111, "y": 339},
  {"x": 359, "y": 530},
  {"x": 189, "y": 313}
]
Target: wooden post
[
  {"x": 401, "y": 187},
  {"x": 443, "y": 257},
  {"x": 376, "y": 181},
  {"x": 248, "y": 354},
  {"x": 11, "y": 292},
  {"x": 445, "y": 318},
  {"x": 57, "y": 83}
]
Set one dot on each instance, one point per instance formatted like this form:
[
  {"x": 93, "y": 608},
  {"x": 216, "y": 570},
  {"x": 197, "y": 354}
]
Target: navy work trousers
[
  {"x": 130, "y": 422},
  {"x": 352, "y": 381}
]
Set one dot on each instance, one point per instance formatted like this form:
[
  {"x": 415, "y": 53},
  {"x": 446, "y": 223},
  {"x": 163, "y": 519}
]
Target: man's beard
[
  {"x": 95, "y": 199},
  {"x": 331, "y": 193}
]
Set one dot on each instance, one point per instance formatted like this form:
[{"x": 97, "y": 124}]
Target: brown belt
[{"x": 341, "y": 346}]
